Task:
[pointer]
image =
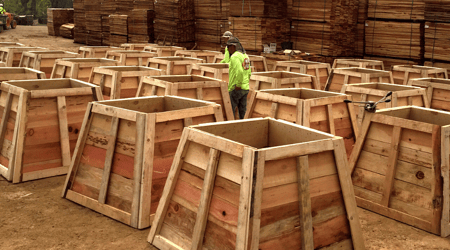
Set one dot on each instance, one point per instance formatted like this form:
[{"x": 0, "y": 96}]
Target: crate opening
[
  {"x": 383, "y": 86},
  {"x": 215, "y": 65},
  {"x": 177, "y": 58},
  {"x": 87, "y": 60},
  {"x": 435, "y": 117},
  {"x": 46, "y": 84},
  {"x": 433, "y": 80},
  {"x": 50, "y": 52},
  {"x": 362, "y": 70},
  {"x": 125, "y": 68},
  {"x": 184, "y": 78},
  {"x": 280, "y": 74},
  {"x": 301, "y": 93}
]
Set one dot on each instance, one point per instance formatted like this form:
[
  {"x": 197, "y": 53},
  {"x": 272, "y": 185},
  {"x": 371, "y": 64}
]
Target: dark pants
[{"x": 239, "y": 99}]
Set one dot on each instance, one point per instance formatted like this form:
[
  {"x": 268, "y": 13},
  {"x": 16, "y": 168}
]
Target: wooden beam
[
  {"x": 137, "y": 173},
  {"x": 63, "y": 131},
  {"x": 392, "y": 166},
  {"x": 306, "y": 225}
]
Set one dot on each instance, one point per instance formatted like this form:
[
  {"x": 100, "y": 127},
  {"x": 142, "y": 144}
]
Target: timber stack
[
  {"x": 140, "y": 26},
  {"x": 79, "y": 18},
  {"x": 437, "y": 15},
  {"x": 118, "y": 25},
  {"x": 211, "y": 21},
  {"x": 66, "y": 30},
  {"x": 57, "y": 17},
  {"x": 93, "y": 22}
]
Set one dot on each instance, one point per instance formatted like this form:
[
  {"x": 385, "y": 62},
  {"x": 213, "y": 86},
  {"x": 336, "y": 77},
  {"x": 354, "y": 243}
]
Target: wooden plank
[
  {"x": 331, "y": 119},
  {"x": 392, "y": 166},
  {"x": 257, "y": 199},
  {"x": 5, "y": 117},
  {"x": 445, "y": 173},
  {"x": 306, "y": 225},
  {"x": 137, "y": 173},
  {"x": 63, "y": 130},
  {"x": 22, "y": 110},
  {"x": 244, "y": 198}
]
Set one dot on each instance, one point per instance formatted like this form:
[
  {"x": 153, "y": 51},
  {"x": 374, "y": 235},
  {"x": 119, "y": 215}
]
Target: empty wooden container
[
  {"x": 173, "y": 65},
  {"x": 44, "y": 60},
  {"x": 78, "y": 68},
  {"x": 258, "y": 62},
  {"x": 400, "y": 167},
  {"x": 401, "y": 96},
  {"x": 206, "y": 55},
  {"x": 40, "y": 124},
  {"x": 282, "y": 80},
  {"x": 137, "y": 46},
  {"x": 118, "y": 82},
  {"x": 195, "y": 87},
  {"x": 11, "y": 55},
  {"x": 130, "y": 57},
  {"x": 214, "y": 70},
  {"x": 7, "y": 74},
  {"x": 95, "y": 51},
  {"x": 321, "y": 110},
  {"x": 358, "y": 63},
  {"x": 344, "y": 76},
  {"x": 438, "y": 91},
  {"x": 257, "y": 184},
  {"x": 320, "y": 70},
  {"x": 125, "y": 151},
  {"x": 403, "y": 73},
  {"x": 164, "y": 51}
]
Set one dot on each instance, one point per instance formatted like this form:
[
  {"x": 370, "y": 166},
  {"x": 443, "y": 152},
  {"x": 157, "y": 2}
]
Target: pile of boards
[
  {"x": 57, "y": 17},
  {"x": 211, "y": 21}
]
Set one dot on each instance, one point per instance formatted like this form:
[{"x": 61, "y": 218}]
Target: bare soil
[{"x": 34, "y": 216}]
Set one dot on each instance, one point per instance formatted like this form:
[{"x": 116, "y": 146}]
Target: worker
[
  {"x": 239, "y": 76},
  {"x": 2, "y": 10},
  {"x": 239, "y": 47}
]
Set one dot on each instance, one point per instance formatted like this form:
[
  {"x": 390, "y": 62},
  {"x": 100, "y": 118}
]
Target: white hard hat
[
  {"x": 1, "y": 5},
  {"x": 227, "y": 34}
]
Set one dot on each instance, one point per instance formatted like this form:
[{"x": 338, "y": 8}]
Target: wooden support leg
[
  {"x": 260, "y": 164},
  {"x": 18, "y": 159},
  {"x": 137, "y": 170},
  {"x": 304, "y": 199},
  {"x": 6, "y": 172},
  {"x": 445, "y": 173},
  {"x": 199, "y": 93},
  {"x": 274, "y": 110},
  {"x": 331, "y": 119},
  {"x": 391, "y": 167}
]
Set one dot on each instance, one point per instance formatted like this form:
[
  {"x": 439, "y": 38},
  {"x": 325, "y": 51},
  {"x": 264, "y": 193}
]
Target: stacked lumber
[
  {"x": 436, "y": 41},
  {"x": 212, "y": 9},
  {"x": 118, "y": 25},
  {"x": 79, "y": 19},
  {"x": 390, "y": 62},
  {"x": 319, "y": 11},
  {"x": 437, "y": 10},
  {"x": 175, "y": 21},
  {"x": 397, "y": 9},
  {"x": 66, "y": 30},
  {"x": 57, "y": 17},
  {"x": 105, "y": 31},
  {"x": 93, "y": 17},
  {"x": 140, "y": 26},
  {"x": 209, "y": 32},
  {"x": 445, "y": 65},
  {"x": 258, "y": 8},
  {"x": 362, "y": 11}
]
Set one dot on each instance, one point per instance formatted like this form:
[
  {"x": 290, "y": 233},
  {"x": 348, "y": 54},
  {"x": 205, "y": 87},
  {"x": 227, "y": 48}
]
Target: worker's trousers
[{"x": 238, "y": 99}]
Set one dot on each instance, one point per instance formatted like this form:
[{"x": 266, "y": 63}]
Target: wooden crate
[
  {"x": 340, "y": 77},
  {"x": 206, "y": 55},
  {"x": 173, "y": 65},
  {"x": 321, "y": 110},
  {"x": 320, "y": 70},
  {"x": 125, "y": 151},
  {"x": 403, "y": 73},
  {"x": 44, "y": 60},
  {"x": 358, "y": 63},
  {"x": 11, "y": 55},
  {"x": 10, "y": 44},
  {"x": 257, "y": 184},
  {"x": 282, "y": 80},
  {"x": 214, "y": 70},
  {"x": 39, "y": 127},
  {"x": 195, "y": 87},
  {"x": 95, "y": 51},
  {"x": 400, "y": 166},
  {"x": 118, "y": 82},
  {"x": 137, "y": 46},
  {"x": 130, "y": 57},
  {"x": 258, "y": 62},
  {"x": 438, "y": 91},
  {"x": 164, "y": 51},
  {"x": 7, "y": 74},
  {"x": 78, "y": 68}
]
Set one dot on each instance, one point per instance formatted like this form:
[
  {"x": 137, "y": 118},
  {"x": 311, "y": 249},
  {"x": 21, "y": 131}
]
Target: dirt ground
[{"x": 34, "y": 216}]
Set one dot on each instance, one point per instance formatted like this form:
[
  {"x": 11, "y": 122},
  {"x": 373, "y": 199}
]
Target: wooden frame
[
  {"x": 258, "y": 62},
  {"x": 44, "y": 60},
  {"x": 125, "y": 151},
  {"x": 189, "y": 86},
  {"x": 358, "y": 63},
  {"x": 206, "y": 55},
  {"x": 95, "y": 51},
  {"x": 7, "y": 74},
  {"x": 215, "y": 70},
  {"x": 78, "y": 68},
  {"x": 320, "y": 110},
  {"x": 11, "y": 55},
  {"x": 400, "y": 167},
  {"x": 320, "y": 70},
  {"x": 164, "y": 51},
  {"x": 226, "y": 190},
  {"x": 40, "y": 124},
  {"x": 137, "y": 46},
  {"x": 118, "y": 82},
  {"x": 344, "y": 76},
  {"x": 282, "y": 80},
  {"x": 403, "y": 73},
  {"x": 438, "y": 91},
  {"x": 11, "y": 44},
  {"x": 401, "y": 96},
  {"x": 173, "y": 65},
  {"x": 130, "y": 57}
]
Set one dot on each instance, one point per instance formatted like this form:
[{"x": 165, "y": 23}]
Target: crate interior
[
  {"x": 363, "y": 70},
  {"x": 15, "y": 70},
  {"x": 126, "y": 68},
  {"x": 51, "y": 52},
  {"x": 302, "y": 93},
  {"x": 215, "y": 65},
  {"x": 184, "y": 78},
  {"x": 87, "y": 60},
  {"x": 383, "y": 86},
  {"x": 178, "y": 58},
  {"x": 280, "y": 74},
  {"x": 429, "y": 116},
  {"x": 46, "y": 84}
]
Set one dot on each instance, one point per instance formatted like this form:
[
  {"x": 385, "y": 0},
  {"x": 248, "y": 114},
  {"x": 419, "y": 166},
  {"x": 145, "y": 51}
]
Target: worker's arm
[
  {"x": 226, "y": 58},
  {"x": 236, "y": 73}
]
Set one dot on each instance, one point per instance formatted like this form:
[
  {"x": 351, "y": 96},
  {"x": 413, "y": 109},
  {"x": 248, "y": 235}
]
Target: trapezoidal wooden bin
[
  {"x": 11, "y": 55},
  {"x": 400, "y": 167},
  {"x": 40, "y": 122},
  {"x": 195, "y": 87},
  {"x": 257, "y": 184},
  {"x": 95, "y": 51},
  {"x": 321, "y": 110},
  {"x": 320, "y": 70},
  {"x": 173, "y": 65},
  {"x": 125, "y": 151},
  {"x": 358, "y": 63},
  {"x": 401, "y": 96},
  {"x": 215, "y": 70},
  {"x": 164, "y": 51},
  {"x": 206, "y": 55},
  {"x": 282, "y": 80},
  {"x": 130, "y": 57},
  {"x": 258, "y": 62},
  {"x": 403, "y": 73},
  {"x": 137, "y": 46},
  {"x": 344, "y": 76},
  {"x": 7, "y": 74},
  {"x": 78, "y": 68},
  {"x": 44, "y": 60},
  {"x": 118, "y": 82},
  {"x": 438, "y": 91}
]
